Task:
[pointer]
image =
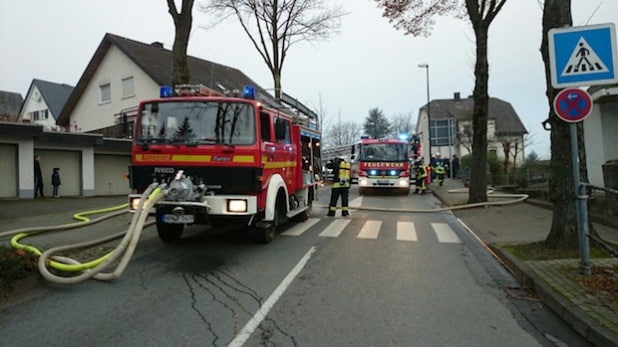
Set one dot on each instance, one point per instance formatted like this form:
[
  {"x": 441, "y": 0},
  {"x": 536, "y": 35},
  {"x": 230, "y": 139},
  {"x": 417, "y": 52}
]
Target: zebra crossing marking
[
  {"x": 357, "y": 202},
  {"x": 335, "y": 228},
  {"x": 300, "y": 228},
  {"x": 444, "y": 233},
  {"x": 370, "y": 230},
  {"x": 406, "y": 232}
]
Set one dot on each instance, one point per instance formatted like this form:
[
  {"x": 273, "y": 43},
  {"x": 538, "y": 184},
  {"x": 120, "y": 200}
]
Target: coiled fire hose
[{"x": 92, "y": 269}]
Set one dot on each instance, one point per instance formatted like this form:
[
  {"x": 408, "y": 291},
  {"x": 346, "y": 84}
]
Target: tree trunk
[
  {"x": 478, "y": 177},
  {"x": 182, "y": 21},
  {"x": 277, "y": 81},
  {"x": 563, "y": 232}
]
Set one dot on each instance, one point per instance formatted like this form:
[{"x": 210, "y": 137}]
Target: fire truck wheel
[
  {"x": 361, "y": 191},
  {"x": 267, "y": 234},
  {"x": 169, "y": 232}
]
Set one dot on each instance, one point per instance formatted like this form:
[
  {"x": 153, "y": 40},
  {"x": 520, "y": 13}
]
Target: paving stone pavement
[{"x": 553, "y": 281}]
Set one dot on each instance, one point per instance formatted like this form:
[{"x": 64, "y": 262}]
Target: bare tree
[
  {"x": 183, "y": 21},
  {"x": 563, "y": 233},
  {"x": 464, "y": 136},
  {"x": 274, "y": 26},
  {"x": 323, "y": 121},
  {"x": 342, "y": 133},
  {"x": 507, "y": 144},
  {"x": 415, "y": 17},
  {"x": 402, "y": 124}
]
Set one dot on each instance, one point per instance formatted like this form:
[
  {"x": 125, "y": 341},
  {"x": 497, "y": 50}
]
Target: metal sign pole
[{"x": 580, "y": 205}]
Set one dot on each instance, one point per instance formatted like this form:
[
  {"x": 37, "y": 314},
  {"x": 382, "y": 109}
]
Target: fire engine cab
[
  {"x": 382, "y": 164},
  {"x": 225, "y": 159}
]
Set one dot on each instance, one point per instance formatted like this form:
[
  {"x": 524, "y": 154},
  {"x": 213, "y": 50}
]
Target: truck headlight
[
  {"x": 134, "y": 202},
  {"x": 237, "y": 205}
]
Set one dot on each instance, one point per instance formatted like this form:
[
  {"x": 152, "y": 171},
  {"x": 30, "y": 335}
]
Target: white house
[
  {"x": 123, "y": 72},
  {"x": 600, "y": 129},
  {"x": 43, "y": 104},
  {"x": 451, "y": 128}
]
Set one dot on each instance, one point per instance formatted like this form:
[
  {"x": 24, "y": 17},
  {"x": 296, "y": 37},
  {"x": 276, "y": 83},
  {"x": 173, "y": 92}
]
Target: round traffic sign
[{"x": 572, "y": 104}]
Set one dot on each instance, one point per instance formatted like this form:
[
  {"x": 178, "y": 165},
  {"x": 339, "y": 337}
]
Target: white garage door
[
  {"x": 8, "y": 171},
  {"x": 69, "y": 163},
  {"x": 110, "y": 175}
]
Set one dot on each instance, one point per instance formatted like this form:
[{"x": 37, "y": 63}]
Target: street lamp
[{"x": 426, "y": 67}]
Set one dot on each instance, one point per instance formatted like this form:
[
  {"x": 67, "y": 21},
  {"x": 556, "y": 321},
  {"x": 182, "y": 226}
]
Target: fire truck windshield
[
  {"x": 197, "y": 122},
  {"x": 384, "y": 152}
]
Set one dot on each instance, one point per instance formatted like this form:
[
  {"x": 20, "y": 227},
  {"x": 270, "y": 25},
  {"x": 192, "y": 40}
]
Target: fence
[{"x": 610, "y": 207}]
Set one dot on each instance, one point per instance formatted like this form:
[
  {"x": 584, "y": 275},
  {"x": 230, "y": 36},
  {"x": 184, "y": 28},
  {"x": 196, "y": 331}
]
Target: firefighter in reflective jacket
[
  {"x": 420, "y": 174},
  {"x": 439, "y": 169},
  {"x": 340, "y": 187}
]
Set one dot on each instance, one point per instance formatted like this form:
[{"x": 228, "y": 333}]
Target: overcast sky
[{"x": 368, "y": 64}]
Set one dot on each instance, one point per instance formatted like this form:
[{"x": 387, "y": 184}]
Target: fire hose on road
[
  {"x": 513, "y": 199},
  {"x": 92, "y": 269},
  {"x": 74, "y": 271}
]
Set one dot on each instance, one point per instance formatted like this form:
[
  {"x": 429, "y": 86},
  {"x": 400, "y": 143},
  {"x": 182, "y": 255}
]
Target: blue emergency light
[
  {"x": 403, "y": 137},
  {"x": 165, "y": 92},
  {"x": 248, "y": 92}
]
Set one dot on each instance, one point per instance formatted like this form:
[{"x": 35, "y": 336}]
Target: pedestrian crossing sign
[{"x": 583, "y": 56}]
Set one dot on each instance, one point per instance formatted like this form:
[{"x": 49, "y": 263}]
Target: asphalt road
[{"x": 375, "y": 279}]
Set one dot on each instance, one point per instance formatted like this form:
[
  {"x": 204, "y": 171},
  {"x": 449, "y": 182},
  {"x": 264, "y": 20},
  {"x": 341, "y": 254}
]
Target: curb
[{"x": 579, "y": 320}]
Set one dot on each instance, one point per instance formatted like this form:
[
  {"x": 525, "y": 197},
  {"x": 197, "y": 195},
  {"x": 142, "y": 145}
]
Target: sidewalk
[{"x": 526, "y": 222}]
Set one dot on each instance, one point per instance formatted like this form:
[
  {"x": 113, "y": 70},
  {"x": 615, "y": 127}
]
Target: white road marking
[
  {"x": 406, "y": 232},
  {"x": 259, "y": 316},
  {"x": 444, "y": 233},
  {"x": 300, "y": 228},
  {"x": 370, "y": 230},
  {"x": 357, "y": 202},
  {"x": 335, "y": 228}
]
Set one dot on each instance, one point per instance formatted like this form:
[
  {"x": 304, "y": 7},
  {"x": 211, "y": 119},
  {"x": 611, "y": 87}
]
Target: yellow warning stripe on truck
[{"x": 193, "y": 158}]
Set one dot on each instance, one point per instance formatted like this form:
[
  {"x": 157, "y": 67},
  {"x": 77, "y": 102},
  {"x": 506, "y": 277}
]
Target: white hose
[
  {"x": 516, "y": 198},
  {"x": 124, "y": 250}
]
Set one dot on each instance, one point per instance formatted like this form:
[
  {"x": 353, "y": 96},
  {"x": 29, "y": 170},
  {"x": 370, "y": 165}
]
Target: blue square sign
[{"x": 583, "y": 56}]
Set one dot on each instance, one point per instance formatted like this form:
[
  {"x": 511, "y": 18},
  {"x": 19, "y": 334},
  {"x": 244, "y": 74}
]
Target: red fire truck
[
  {"x": 382, "y": 164},
  {"x": 225, "y": 160}
]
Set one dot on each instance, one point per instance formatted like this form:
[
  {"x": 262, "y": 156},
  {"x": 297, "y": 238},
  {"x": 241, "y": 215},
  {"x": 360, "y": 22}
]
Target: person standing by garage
[
  {"x": 38, "y": 177},
  {"x": 55, "y": 179}
]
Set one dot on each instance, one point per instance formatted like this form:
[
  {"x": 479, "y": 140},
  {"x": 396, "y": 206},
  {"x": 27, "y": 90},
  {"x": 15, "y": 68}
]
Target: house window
[
  {"x": 39, "y": 115},
  {"x": 128, "y": 89},
  {"x": 443, "y": 132},
  {"x": 106, "y": 93}
]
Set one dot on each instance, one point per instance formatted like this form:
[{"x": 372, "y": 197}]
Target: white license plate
[
  {"x": 178, "y": 219},
  {"x": 383, "y": 182}
]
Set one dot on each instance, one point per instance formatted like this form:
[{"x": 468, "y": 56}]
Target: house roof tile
[
  {"x": 54, "y": 94},
  {"x": 506, "y": 119},
  {"x": 156, "y": 62},
  {"x": 10, "y": 103}
]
